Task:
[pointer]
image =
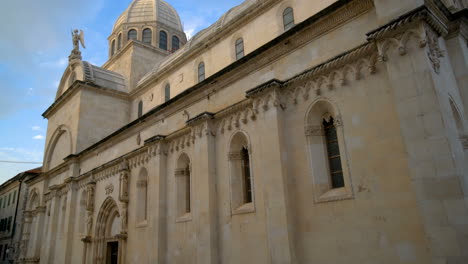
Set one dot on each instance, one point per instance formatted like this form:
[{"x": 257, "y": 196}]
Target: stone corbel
[{"x": 202, "y": 125}]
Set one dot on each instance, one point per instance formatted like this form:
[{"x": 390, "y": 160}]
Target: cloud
[
  {"x": 38, "y": 137},
  {"x": 36, "y": 128},
  {"x": 20, "y": 154}
]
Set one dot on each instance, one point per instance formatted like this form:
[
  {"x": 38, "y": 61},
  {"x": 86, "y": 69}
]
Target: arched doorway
[{"x": 108, "y": 238}]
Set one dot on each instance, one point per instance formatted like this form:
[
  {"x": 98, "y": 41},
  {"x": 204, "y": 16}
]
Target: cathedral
[{"x": 288, "y": 132}]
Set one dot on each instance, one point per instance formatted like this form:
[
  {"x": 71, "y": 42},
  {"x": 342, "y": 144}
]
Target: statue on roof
[{"x": 77, "y": 38}]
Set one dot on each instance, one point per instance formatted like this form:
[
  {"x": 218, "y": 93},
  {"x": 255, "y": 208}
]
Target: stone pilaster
[
  {"x": 421, "y": 79},
  {"x": 157, "y": 197},
  {"x": 269, "y": 108},
  {"x": 204, "y": 178}
]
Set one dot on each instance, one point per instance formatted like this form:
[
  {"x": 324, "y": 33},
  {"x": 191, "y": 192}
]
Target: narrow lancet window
[
  {"x": 288, "y": 18},
  {"x": 132, "y": 34},
  {"x": 333, "y": 153},
  {"x": 246, "y": 175},
  {"x": 175, "y": 43},
  {"x": 163, "y": 40},
  {"x": 113, "y": 47},
  {"x": 147, "y": 36},
  {"x": 119, "y": 42},
  {"x": 239, "y": 48},
  {"x": 201, "y": 72},
  {"x": 167, "y": 93},
  {"x": 140, "y": 109},
  {"x": 188, "y": 208}
]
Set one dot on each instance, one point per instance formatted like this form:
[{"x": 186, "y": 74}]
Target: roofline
[{"x": 237, "y": 64}]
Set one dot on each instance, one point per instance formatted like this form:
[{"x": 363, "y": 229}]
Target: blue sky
[{"x": 34, "y": 45}]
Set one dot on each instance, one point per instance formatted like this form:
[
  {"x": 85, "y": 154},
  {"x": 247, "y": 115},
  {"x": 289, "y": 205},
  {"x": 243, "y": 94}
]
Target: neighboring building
[
  {"x": 289, "y": 131},
  {"x": 12, "y": 202}
]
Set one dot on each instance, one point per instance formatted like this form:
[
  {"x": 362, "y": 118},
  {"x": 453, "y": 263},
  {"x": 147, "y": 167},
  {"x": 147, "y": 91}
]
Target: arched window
[
  {"x": 239, "y": 48},
  {"x": 142, "y": 193},
  {"x": 288, "y": 18},
  {"x": 333, "y": 153},
  {"x": 183, "y": 182},
  {"x": 201, "y": 72},
  {"x": 147, "y": 36},
  {"x": 240, "y": 173},
  {"x": 325, "y": 143},
  {"x": 167, "y": 92},
  {"x": 175, "y": 43},
  {"x": 119, "y": 41},
  {"x": 163, "y": 40},
  {"x": 132, "y": 34},
  {"x": 113, "y": 47},
  {"x": 140, "y": 109}
]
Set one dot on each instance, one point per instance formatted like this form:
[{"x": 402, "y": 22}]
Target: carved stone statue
[
  {"x": 124, "y": 186},
  {"x": 77, "y": 38},
  {"x": 89, "y": 224},
  {"x": 90, "y": 200},
  {"x": 124, "y": 216}
]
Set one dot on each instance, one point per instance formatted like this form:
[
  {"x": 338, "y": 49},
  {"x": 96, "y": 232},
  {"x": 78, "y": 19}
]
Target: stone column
[
  {"x": 268, "y": 107},
  {"x": 204, "y": 178},
  {"x": 421, "y": 77}
]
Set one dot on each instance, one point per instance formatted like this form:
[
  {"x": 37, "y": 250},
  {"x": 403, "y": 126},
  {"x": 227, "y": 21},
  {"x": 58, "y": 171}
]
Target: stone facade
[
  {"x": 12, "y": 203},
  {"x": 237, "y": 167}
]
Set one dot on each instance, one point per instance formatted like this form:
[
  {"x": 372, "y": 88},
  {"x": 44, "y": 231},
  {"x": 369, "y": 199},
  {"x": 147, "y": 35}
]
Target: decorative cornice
[
  {"x": 199, "y": 119},
  {"x": 235, "y": 116}
]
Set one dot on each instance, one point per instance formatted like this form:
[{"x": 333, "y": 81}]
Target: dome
[{"x": 150, "y": 10}]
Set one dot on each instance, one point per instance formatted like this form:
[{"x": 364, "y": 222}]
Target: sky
[{"x": 35, "y": 42}]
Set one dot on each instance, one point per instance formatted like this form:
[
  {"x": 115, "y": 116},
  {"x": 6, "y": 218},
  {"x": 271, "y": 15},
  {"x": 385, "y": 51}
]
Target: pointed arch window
[
  {"x": 175, "y": 43},
  {"x": 140, "y": 108},
  {"x": 113, "y": 47},
  {"x": 201, "y": 72},
  {"x": 167, "y": 92},
  {"x": 239, "y": 48},
  {"x": 240, "y": 166},
  {"x": 288, "y": 18},
  {"x": 132, "y": 34},
  {"x": 183, "y": 188},
  {"x": 119, "y": 41},
  {"x": 327, "y": 155},
  {"x": 147, "y": 36},
  {"x": 163, "y": 40}
]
